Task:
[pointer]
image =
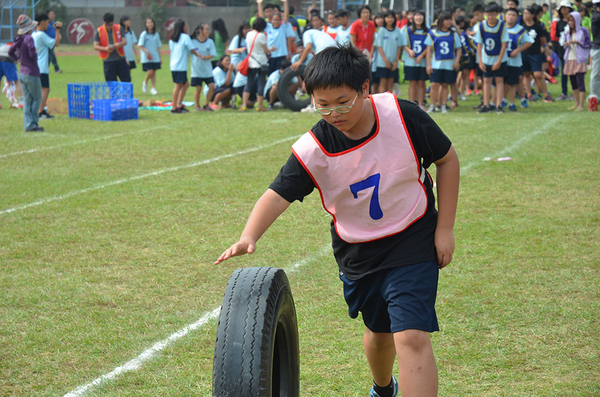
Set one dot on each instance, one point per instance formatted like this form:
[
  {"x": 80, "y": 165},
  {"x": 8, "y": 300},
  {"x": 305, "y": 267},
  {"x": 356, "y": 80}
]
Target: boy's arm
[
  {"x": 260, "y": 8},
  {"x": 479, "y": 59},
  {"x": 307, "y": 49},
  {"x": 447, "y": 180},
  {"x": 268, "y": 207},
  {"x": 500, "y": 56},
  {"x": 286, "y": 11},
  {"x": 428, "y": 56}
]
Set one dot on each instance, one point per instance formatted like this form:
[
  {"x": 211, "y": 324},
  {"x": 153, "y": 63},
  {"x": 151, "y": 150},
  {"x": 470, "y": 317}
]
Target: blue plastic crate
[
  {"x": 81, "y": 96},
  {"x": 115, "y": 109}
]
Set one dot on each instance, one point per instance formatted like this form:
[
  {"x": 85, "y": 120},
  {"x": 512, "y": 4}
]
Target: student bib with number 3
[{"x": 373, "y": 190}]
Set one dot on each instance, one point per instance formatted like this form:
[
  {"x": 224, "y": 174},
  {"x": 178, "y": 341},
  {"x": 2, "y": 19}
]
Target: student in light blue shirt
[
  {"x": 343, "y": 29},
  {"x": 237, "y": 46},
  {"x": 270, "y": 92},
  {"x": 130, "y": 56},
  {"x": 519, "y": 42},
  {"x": 202, "y": 65},
  {"x": 149, "y": 45},
  {"x": 278, "y": 34},
  {"x": 43, "y": 44},
  {"x": 492, "y": 39},
  {"x": 414, "y": 57},
  {"x": 181, "y": 46},
  {"x": 223, "y": 75},
  {"x": 389, "y": 45},
  {"x": 314, "y": 41},
  {"x": 443, "y": 60}
]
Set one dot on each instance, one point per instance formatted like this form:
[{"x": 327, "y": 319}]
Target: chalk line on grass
[
  {"x": 149, "y": 354},
  {"x": 138, "y": 177}
]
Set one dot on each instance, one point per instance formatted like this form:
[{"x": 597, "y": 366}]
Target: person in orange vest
[{"x": 109, "y": 41}]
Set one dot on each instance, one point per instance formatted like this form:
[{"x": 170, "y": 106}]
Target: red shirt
[{"x": 364, "y": 36}]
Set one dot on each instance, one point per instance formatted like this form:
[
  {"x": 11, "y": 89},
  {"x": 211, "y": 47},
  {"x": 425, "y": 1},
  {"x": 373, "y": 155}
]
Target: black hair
[
  {"x": 470, "y": 16},
  {"x": 388, "y": 13},
  {"x": 259, "y": 24},
  {"x": 532, "y": 11},
  {"x": 477, "y": 8},
  {"x": 318, "y": 16},
  {"x": 122, "y": 22},
  {"x": 41, "y": 17},
  {"x": 177, "y": 30},
  {"x": 514, "y": 1},
  {"x": 492, "y": 7},
  {"x": 360, "y": 9},
  {"x": 342, "y": 14},
  {"x": 108, "y": 17},
  {"x": 291, "y": 10},
  {"x": 220, "y": 61},
  {"x": 414, "y": 10},
  {"x": 457, "y": 8},
  {"x": 379, "y": 15},
  {"x": 461, "y": 21},
  {"x": 413, "y": 25},
  {"x": 545, "y": 5},
  {"x": 512, "y": 9},
  {"x": 442, "y": 17},
  {"x": 196, "y": 31},
  {"x": 268, "y": 5},
  {"x": 337, "y": 67},
  {"x": 153, "y": 22},
  {"x": 218, "y": 25},
  {"x": 314, "y": 11},
  {"x": 285, "y": 64},
  {"x": 240, "y": 32}
]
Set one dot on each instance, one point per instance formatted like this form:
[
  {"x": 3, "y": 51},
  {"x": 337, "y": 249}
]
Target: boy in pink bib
[{"x": 368, "y": 158}]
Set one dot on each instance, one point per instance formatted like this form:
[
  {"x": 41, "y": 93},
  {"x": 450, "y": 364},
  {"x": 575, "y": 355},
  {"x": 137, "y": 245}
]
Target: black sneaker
[
  {"x": 35, "y": 129},
  {"x": 499, "y": 110},
  {"x": 182, "y": 109},
  {"x": 176, "y": 110},
  {"x": 45, "y": 115},
  {"x": 207, "y": 108},
  {"x": 484, "y": 109},
  {"x": 478, "y": 107}
]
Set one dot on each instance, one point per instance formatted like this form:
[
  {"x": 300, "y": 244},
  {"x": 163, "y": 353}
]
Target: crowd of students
[{"x": 502, "y": 55}]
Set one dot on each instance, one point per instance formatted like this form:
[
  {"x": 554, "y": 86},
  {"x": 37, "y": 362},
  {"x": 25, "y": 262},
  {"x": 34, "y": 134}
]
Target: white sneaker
[
  {"x": 153, "y": 91},
  {"x": 145, "y": 87},
  {"x": 431, "y": 108},
  {"x": 396, "y": 90},
  {"x": 443, "y": 109},
  {"x": 308, "y": 109},
  {"x": 462, "y": 97}
]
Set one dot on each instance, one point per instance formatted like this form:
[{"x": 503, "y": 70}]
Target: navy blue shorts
[
  {"x": 179, "y": 77},
  {"x": 514, "y": 72},
  {"x": 501, "y": 72},
  {"x": 9, "y": 70},
  {"x": 533, "y": 63},
  {"x": 397, "y": 299},
  {"x": 132, "y": 65},
  {"x": 443, "y": 76},
  {"x": 150, "y": 66},
  {"x": 197, "y": 81},
  {"x": 415, "y": 73},
  {"x": 385, "y": 73},
  {"x": 45, "y": 80}
]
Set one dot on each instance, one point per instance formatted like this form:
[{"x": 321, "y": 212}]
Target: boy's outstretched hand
[{"x": 240, "y": 248}]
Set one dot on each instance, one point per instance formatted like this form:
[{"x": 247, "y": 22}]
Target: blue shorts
[
  {"x": 415, "y": 73},
  {"x": 151, "y": 66},
  {"x": 45, "y": 80},
  {"x": 443, "y": 76},
  {"x": 9, "y": 70},
  {"x": 533, "y": 63},
  {"x": 501, "y": 72},
  {"x": 197, "y": 81},
  {"x": 179, "y": 77},
  {"x": 397, "y": 299},
  {"x": 514, "y": 72},
  {"x": 385, "y": 73}
]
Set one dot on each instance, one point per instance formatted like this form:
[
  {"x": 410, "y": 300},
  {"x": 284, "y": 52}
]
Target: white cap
[{"x": 565, "y": 3}]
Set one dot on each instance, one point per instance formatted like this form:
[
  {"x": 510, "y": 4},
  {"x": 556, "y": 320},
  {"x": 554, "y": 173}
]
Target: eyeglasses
[{"x": 340, "y": 109}]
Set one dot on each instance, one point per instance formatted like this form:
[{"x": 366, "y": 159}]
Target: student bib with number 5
[{"x": 373, "y": 190}]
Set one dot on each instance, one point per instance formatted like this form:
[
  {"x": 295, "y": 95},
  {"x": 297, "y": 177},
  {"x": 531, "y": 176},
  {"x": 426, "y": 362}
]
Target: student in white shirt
[{"x": 181, "y": 46}]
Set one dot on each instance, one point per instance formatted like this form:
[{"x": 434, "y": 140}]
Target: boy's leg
[
  {"x": 197, "y": 95},
  {"x": 416, "y": 362},
  {"x": 45, "y": 93},
  {"x": 381, "y": 353},
  {"x": 153, "y": 77},
  {"x": 443, "y": 98},
  {"x": 433, "y": 93},
  {"x": 512, "y": 90},
  {"x": 499, "y": 90},
  {"x": 541, "y": 82},
  {"x": 182, "y": 93},
  {"x": 175, "y": 95},
  {"x": 210, "y": 93},
  {"x": 487, "y": 87},
  {"x": 273, "y": 95},
  {"x": 412, "y": 88},
  {"x": 421, "y": 92}
]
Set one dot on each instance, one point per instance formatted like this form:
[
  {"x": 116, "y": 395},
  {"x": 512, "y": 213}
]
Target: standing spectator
[
  {"x": 237, "y": 47},
  {"x": 149, "y": 45},
  {"x": 43, "y": 44},
  {"x": 130, "y": 55},
  {"x": 533, "y": 56},
  {"x": 109, "y": 41},
  {"x": 595, "y": 51},
  {"x": 220, "y": 36},
  {"x": 202, "y": 67},
  {"x": 29, "y": 75},
  {"x": 343, "y": 33},
  {"x": 278, "y": 31},
  {"x": 51, "y": 31},
  {"x": 577, "y": 53},
  {"x": 181, "y": 47},
  {"x": 362, "y": 32},
  {"x": 258, "y": 64},
  {"x": 389, "y": 45},
  {"x": 557, "y": 36}
]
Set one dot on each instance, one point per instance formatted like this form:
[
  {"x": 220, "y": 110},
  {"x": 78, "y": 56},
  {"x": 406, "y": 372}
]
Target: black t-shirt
[
  {"x": 536, "y": 32},
  {"x": 411, "y": 246}
]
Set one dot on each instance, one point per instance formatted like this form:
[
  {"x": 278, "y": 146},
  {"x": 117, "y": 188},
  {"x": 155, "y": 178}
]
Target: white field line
[
  {"x": 137, "y": 362},
  {"x": 42, "y": 149},
  {"x": 138, "y": 177},
  {"x": 149, "y": 354}
]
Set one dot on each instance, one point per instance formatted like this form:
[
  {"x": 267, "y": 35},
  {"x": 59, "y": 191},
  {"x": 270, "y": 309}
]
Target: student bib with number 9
[{"x": 373, "y": 190}]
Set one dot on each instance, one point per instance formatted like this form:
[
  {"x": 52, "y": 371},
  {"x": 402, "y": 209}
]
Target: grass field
[{"x": 109, "y": 231}]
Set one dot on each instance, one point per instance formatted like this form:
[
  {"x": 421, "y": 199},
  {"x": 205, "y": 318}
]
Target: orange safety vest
[{"x": 103, "y": 34}]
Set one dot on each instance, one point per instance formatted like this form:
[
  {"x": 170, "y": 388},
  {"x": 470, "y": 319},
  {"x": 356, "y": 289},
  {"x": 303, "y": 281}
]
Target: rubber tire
[
  {"x": 256, "y": 349},
  {"x": 282, "y": 90}
]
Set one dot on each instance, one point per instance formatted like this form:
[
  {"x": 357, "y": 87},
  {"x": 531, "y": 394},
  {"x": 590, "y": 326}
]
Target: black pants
[
  {"x": 258, "y": 76},
  {"x": 52, "y": 59},
  {"x": 114, "y": 69}
]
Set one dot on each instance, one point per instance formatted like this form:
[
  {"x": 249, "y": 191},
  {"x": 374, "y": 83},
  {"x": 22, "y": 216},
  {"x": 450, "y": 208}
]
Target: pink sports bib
[{"x": 373, "y": 190}]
